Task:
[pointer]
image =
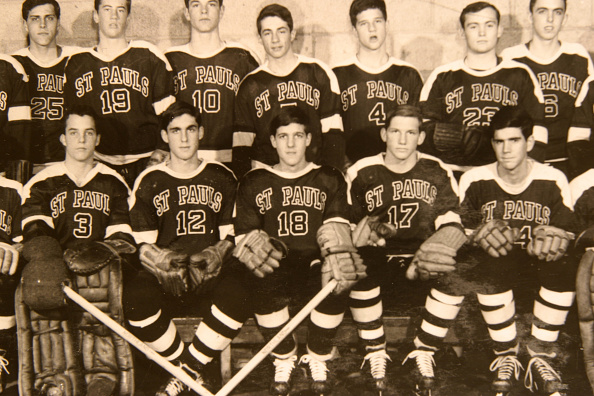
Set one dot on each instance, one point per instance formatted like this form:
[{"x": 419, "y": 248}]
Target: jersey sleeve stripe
[
  {"x": 540, "y": 134},
  {"x": 575, "y": 134},
  {"x": 161, "y": 105},
  {"x": 145, "y": 236},
  {"x": 19, "y": 113},
  {"x": 449, "y": 217},
  {"x": 332, "y": 122},
  {"x": 243, "y": 139},
  {"x": 337, "y": 220},
  {"x": 580, "y": 184},
  {"x": 112, "y": 229},
  {"x": 226, "y": 230},
  {"x": 46, "y": 219}
]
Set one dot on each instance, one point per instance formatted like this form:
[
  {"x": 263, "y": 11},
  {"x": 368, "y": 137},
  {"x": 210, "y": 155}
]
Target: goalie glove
[
  {"x": 370, "y": 231},
  {"x": 167, "y": 266},
  {"x": 496, "y": 237},
  {"x": 341, "y": 260},
  {"x": 436, "y": 255},
  {"x": 9, "y": 258},
  {"x": 87, "y": 257},
  {"x": 260, "y": 253},
  {"x": 207, "y": 264},
  {"x": 549, "y": 243}
]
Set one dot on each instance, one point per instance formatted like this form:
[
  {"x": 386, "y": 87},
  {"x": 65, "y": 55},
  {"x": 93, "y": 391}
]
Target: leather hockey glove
[
  {"x": 9, "y": 257},
  {"x": 549, "y": 243},
  {"x": 371, "y": 232},
  {"x": 496, "y": 237},
  {"x": 260, "y": 253},
  {"x": 476, "y": 145},
  {"x": 341, "y": 260},
  {"x": 436, "y": 255},
  {"x": 207, "y": 264},
  {"x": 88, "y": 257},
  {"x": 168, "y": 266}
]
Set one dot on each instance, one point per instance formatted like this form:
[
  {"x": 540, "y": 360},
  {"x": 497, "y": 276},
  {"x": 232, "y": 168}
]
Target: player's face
[
  {"x": 548, "y": 16},
  {"x": 402, "y": 137},
  {"x": 42, "y": 25},
  {"x": 80, "y": 137},
  {"x": 481, "y": 31},
  {"x": 276, "y": 37},
  {"x": 511, "y": 147},
  {"x": 112, "y": 18},
  {"x": 371, "y": 28},
  {"x": 204, "y": 15},
  {"x": 183, "y": 135},
  {"x": 290, "y": 142}
]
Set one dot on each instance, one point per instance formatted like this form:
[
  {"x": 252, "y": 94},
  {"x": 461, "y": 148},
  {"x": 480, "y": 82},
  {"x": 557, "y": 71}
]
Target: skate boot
[
  {"x": 319, "y": 373},
  {"x": 377, "y": 364},
  {"x": 422, "y": 372},
  {"x": 282, "y": 375},
  {"x": 506, "y": 366},
  {"x": 542, "y": 377},
  {"x": 3, "y": 369},
  {"x": 175, "y": 387}
]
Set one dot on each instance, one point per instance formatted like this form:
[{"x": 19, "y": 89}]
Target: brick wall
[{"x": 422, "y": 32}]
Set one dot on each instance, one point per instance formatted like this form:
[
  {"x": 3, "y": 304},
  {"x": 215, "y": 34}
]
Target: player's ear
[
  {"x": 307, "y": 140},
  {"x": 273, "y": 140},
  {"x": 164, "y": 136},
  {"x": 421, "y": 138},
  {"x": 293, "y": 34},
  {"x": 499, "y": 30},
  {"x": 384, "y": 134},
  {"x": 25, "y": 26},
  {"x": 200, "y": 132},
  {"x": 221, "y": 12},
  {"x": 95, "y": 17},
  {"x": 530, "y": 143},
  {"x": 63, "y": 140},
  {"x": 98, "y": 140},
  {"x": 187, "y": 14}
]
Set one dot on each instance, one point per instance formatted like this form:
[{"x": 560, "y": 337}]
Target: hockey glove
[
  {"x": 168, "y": 266},
  {"x": 586, "y": 240},
  {"x": 9, "y": 258},
  {"x": 370, "y": 231},
  {"x": 549, "y": 243},
  {"x": 260, "y": 253},
  {"x": 496, "y": 237},
  {"x": 207, "y": 264},
  {"x": 88, "y": 257},
  {"x": 436, "y": 255},
  {"x": 341, "y": 260}
]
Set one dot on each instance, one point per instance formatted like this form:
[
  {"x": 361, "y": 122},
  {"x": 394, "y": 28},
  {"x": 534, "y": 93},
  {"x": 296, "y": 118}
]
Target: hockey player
[
  {"x": 580, "y": 132},
  {"x": 412, "y": 195},
  {"x": 460, "y": 98},
  {"x": 522, "y": 213},
  {"x": 372, "y": 82},
  {"x": 129, "y": 83},
  {"x": 10, "y": 235},
  {"x": 44, "y": 62},
  {"x": 181, "y": 213},
  {"x": 281, "y": 210},
  {"x": 208, "y": 72},
  {"x": 285, "y": 79},
  {"x": 560, "y": 69}
]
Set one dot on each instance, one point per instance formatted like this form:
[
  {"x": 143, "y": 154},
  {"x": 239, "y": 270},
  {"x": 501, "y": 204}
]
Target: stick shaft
[
  {"x": 277, "y": 339},
  {"x": 141, "y": 346}
]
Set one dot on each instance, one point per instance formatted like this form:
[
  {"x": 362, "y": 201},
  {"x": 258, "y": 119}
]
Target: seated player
[
  {"x": 290, "y": 205},
  {"x": 521, "y": 212},
  {"x": 403, "y": 197},
  {"x": 181, "y": 214}
]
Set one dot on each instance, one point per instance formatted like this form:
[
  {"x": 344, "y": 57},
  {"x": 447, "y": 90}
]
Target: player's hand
[
  {"x": 168, "y": 266},
  {"x": 207, "y": 264},
  {"x": 371, "y": 232},
  {"x": 260, "y": 253},
  {"x": 9, "y": 258},
  {"x": 496, "y": 237},
  {"x": 549, "y": 243},
  {"x": 347, "y": 268}
]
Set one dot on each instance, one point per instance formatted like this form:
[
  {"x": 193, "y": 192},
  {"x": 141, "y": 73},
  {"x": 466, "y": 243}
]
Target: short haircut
[
  {"x": 176, "y": 109},
  {"x": 533, "y": 2},
  {"x": 28, "y": 5},
  {"x": 358, "y": 6},
  {"x": 476, "y": 7},
  {"x": 404, "y": 111},
  {"x": 512, "y": 117},
  {"x": 98, "y": 4},
  {"x": 289, "y": 115},
  {"x": 80, "y": 110},
  {"x": 275, "y": 10},
  {"x": 188, "y": 3}
]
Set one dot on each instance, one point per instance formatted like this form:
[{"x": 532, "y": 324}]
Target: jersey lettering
[
  {"x": 348, "y": 97},
  {"x": 293, "y": 223},
  {"x": 492, "y": 92},
  {"x": 124, "y": 76},
  {"x": 559, "y": 82},
  {"x": 262, "y": 103},
  {"x": 200, "y": 195},
  {"x": 298, "y": 90},
  {"x": 91, "y": 200},
  {"x": 414, "y": 189},
  {"x": 161, "y": 202},
  {"x": 5, "y": 222},
  {"x": 386, "y": 90},
  {"x": 50, "y": 83},
  {"x": 453, "y": 99},
  {"x": 180, "y": 81},
  {"x": 57, "y": 204},
  {"x": 85, "y": 225},
  {"x": 373, "y": 198},
  {"x": 3, "y": 97},
  {"x": 304, "y": 196},
  {"x": 217, "y": 75},
  {"x": 526, "y": 210},
  {"x": 487, "y": 210},
  {"x": 264, "y": 200},
  {"x": 84, "y": 84}
]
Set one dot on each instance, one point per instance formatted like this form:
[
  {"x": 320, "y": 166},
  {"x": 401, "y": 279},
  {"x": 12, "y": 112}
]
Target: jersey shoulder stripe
[
  {"x": 442, "y": 165},
  {"x": 106, "y": 170},
  {"x": 354, "y": 61},
  {"x": 153, "y": 49},
  {"x": 67, "y": 51},
  {"x": 448, "y": 67},
  {"x": 334, "y": 86},
  {"x": 11, "y": 184},
  {"x": 588, "y": 83},
  {"x": 363, "y": 163},
  {"x": 55, "y": 170},
  {"x": 16, "y": 65},
  {"x": 517, "y": 51},
  {"x": 581, "y": 184}
]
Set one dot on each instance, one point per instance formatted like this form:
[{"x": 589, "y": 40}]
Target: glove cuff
[
  {"x": 42, "y": 247},
  {"x": 451, "y": 236}
]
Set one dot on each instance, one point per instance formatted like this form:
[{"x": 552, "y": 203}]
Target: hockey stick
[
  {"x": 141, "y": 346},
  {"x": 277, "y": 339}
]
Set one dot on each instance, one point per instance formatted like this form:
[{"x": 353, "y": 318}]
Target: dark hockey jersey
[
  {"x": 183, "y": 212},
  {"x": 579, "y": 145},
  {"x": 94, "y": 209},
  {"x": 560, "y": 78},
  {"x": 210, "y": 82},
  {"x": 128, "y": 92},
  {"x": 46, "y": 92},
  {"x": 312, "y": 86},
  {"x": 416, "y": 202},
  {"x": 582, "y": 193},
  {"x": 543, "y": 199},
  {"x": 291, "y": 206},
  {"x": 10, "y": 210},
  {"x": 367, "y": 95}
]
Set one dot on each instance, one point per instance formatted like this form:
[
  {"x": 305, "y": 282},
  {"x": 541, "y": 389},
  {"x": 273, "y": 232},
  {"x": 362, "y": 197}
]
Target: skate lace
[
  {"x": 317, "y": 368},
  {"x": 284, "y": 368},
  {"x": 175, "y": 386},
  {"x": 545, "y": 371},
  {"x": 377, "y": 362},
  {"x": 3, "y": 362},
  {"x": 424, "y": 360},
  {"x": 506, "y": 366}
]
